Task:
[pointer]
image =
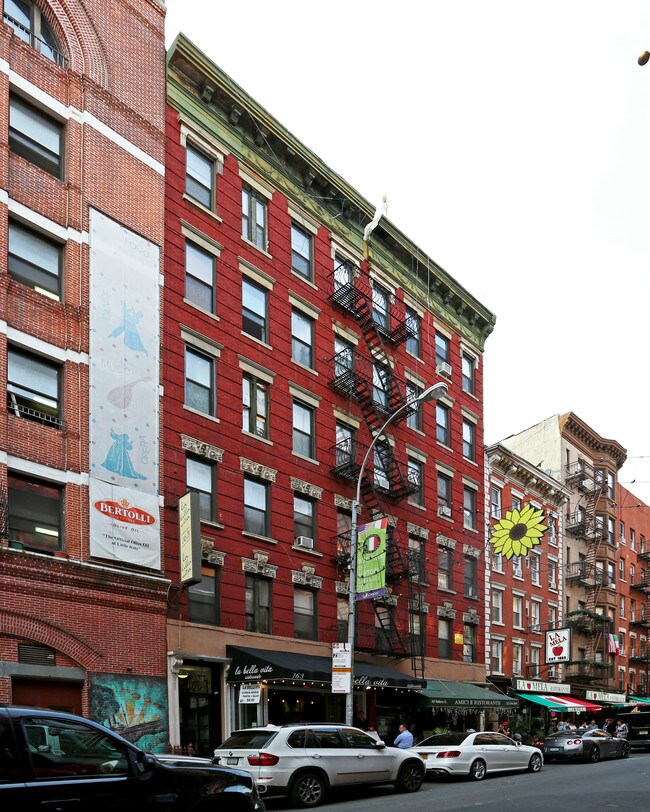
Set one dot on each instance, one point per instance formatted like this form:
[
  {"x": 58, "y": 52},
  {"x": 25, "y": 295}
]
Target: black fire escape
[
  {"x": 368, "y": 379},
  {"x": 642, "y": 622},
  {"x": 585, "y": 524}
]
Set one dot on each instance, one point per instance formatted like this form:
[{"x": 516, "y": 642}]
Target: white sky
[{"x": 513, "y": 141}]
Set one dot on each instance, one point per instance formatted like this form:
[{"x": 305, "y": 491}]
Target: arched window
[{"x": 27, "y": 20}]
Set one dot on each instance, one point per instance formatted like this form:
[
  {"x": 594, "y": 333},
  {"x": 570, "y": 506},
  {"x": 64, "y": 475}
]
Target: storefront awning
[
  {"x": 257, "y": 665},
  {"x": 561, "y": 703},
  {"x": 448, "y": 694},
  {"x": 640, "y": 700}
]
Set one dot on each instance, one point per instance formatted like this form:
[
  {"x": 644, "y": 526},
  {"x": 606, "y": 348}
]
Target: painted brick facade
[{"x": 96, "y": 618}]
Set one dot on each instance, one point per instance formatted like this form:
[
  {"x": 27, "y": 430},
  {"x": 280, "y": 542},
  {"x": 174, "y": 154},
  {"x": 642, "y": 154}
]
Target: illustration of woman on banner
[
  {"x": 128, "y": 326},
  {"x": 118, "y": 459}
]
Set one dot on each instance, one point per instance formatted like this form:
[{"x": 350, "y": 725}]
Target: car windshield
[
  {"x": 443, "y": 739},
  {"x": 248, "y": 740}
]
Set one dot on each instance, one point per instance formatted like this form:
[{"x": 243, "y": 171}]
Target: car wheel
[
  {"x": 308, "y": 790},
  {"x": 410, "y": 777},
  {"x": 535, "y": 763},
  {"x": 478, "y": 770},
  {"x": 594, "y": 755},
  {"x": 625, "y": 750}
]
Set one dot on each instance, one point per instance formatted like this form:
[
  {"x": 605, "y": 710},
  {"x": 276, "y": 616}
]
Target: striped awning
[{"x": 561, "y": 703}]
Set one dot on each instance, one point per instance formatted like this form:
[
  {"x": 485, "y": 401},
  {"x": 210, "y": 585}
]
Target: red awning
[{"x": 561, "y": 702}]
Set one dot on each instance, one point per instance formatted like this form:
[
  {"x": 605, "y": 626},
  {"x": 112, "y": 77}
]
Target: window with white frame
[
  {"x": 611, "y": 485},
  {"x": 414, "y": 324},
  {"x": 495, "y": 502},
  {"x": 414, "y": 417},
  {"x": 380, "y": 466},
  {"x": 469, "y": 643},
  {"x": 444, "y": 638},
  {"x": 415, "y": 475},
  {"x": 443, "y": 424},
  {"x": 444, "y": 568},
  {"x": 497, "y": 606},
  {"x": 471, "y": 580},
  {"x": 444, "y": 494},
  {"x": 380, "y": 385},
  {"x": 469, "y": 440},
  {"x": 497, "y": 562},
  {"x": 343, "y": 357},
  {"x": 497, "y": 657},
  {"x": 381, "y": 307},
  {"x": 632, "y": 539},
  {"x": 258, "y": 604},
  {"x": 34, "y": 260},
  {"x": 255, "y": 405},
  {"x": 254, "y": 310},
  {"x": 535, "y": 613},
  {"x": 442, "y": 349},
  {"x": 621, "y": 606},
  {"x": 35, "y": 136},
  {"x": 200, "y": 477},
  {"x": 517, "y": 611},
  {"x": 621, "y": 569},
  {"x": 535, "y": 660},
  {"x": 534, "y": 569},
  {"x": 517, "y": 658},
  {"x": 199, "y": 176},
  {"x": 516, "y": 567},
  {"x": 200, "y": 381},
  {"x": 303, "y": 429},
  {"x": 304, "y": 518},
  {"x": 552, "y": 616},
  {"x": 552, "y": 573},
  {"x": 304, "y": 613},
  {"x": 516, "y": 502},
  {"x": 256, "y": 507},
  {"x": 468, "y": 373}
]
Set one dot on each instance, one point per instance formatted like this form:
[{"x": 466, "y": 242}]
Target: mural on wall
[
  {"x": 518, "y": 532},
  {"x": 133, "y": 706}
]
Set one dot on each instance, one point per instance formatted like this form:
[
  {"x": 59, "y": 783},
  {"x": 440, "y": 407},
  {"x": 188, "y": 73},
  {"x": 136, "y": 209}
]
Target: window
[
  {"x": 381, "y": 307},
  {"x": 384, "y": 627},
  {"x": 621, "y": 606},
  {"x": 33, "y": 386},
  {"x": 444, "y": 639},
  {"x": 302, "y": 339},
  {"x": 552, "y": 616},
  {"x": 443, "y": 430},
  {"x": 621, "y": 532},
  {"x": 203, "y": 599},
  {"x": 304, "y": 515},
  {"x": 200, "y": 277},
  {"x": 258, "y": 604},
  {"x": 380, "y": 386},
  {"x": 301, "y": 251},
  {"x": 414, "y": 325},
  {"x": 497, "y": 657},
  {"x": 516, "y": 503},
  {"x": 516, "y": 567},
  {"x": 497, "y": 606},
  {"x": 303, "y": 430},
  {"x": 442, "y": 349},
  {"x": 199, "y": 177},
  {"x": 414, "y": 418},
  {"x": 35, "y": 136},
  {"x": 418, "y": 625},
  {"x": 470, "y": 577},
  {"x": 304, "y": 614},
  {"x": 416, "y": 560},
  {"x": 255, "y": 403},
  {"x": 469, "y": 643},
  {"x": 200, "y": 382},
  {"x": 517, "y": 658},
  {"x": 535, "y": 615},
  {"x": 254, "y": 310},
  {"x": 517, "y": 611},
  {"x": 343, "y": 357},
  {"x": 35, "y": 518},
  {"x": 535, "y": 657},
  {"x": 416, "y": 481},
  {"x": 497, "y": 562},
  {"x": 632, "y": 573},
  {"x": 534, "y": 569},
  {"x": 444, "y": 494},
  {"x": 611, "y": 574},
  {"x": 381, "y": 456},
  {"x": 34, "y": 260},
  {"x": 495, "y": 502},
  {"x": 469, "y": 508},
  {"x": 552, "y": 574},
  {"x": 632, "y": 539},
  {"x": 345, "y": 446},
  {"x": 27, "y": 20},
  {"x": 611, "y": 486},
  {"x": 256, "y": 508},
  {"x": 343, "y": 273},
  {"x": 444, "y": 568},
  {"x": 468, "y": 369},
  {"x": 200, "y": 478},
  {"x": 253, "y": 217}
]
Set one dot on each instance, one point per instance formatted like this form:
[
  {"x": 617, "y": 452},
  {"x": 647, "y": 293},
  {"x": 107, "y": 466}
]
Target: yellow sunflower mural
[{"x": 518, "y": 532}]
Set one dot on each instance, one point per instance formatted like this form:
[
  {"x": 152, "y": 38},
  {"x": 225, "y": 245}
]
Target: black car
[{"x": 65, "y": 762}]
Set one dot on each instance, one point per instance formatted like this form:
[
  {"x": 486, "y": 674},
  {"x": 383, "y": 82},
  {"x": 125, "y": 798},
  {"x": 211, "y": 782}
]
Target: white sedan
[{"x": 476, "y": 754}]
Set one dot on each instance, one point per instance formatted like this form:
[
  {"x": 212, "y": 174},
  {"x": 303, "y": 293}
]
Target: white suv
[{"x": 304, "y": 760}]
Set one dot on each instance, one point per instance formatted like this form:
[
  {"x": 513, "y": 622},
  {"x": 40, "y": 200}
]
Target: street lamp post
[{"x": 433, "y": 392}]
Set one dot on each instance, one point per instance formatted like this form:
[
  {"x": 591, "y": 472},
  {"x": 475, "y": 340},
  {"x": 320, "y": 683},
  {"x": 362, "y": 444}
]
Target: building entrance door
[{"x": 61, "y": 696}]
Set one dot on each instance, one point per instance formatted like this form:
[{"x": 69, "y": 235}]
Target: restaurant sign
[
  {"x": 540, "y": 687},
  {"x": 604, "y": 696}
]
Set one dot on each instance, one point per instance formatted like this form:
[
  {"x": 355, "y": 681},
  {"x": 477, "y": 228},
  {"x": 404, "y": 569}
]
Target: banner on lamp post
[{"x": 371, "y": 559}]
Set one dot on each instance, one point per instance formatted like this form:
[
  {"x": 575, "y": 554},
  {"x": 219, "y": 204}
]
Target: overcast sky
[{"x": 513, "y": 141}]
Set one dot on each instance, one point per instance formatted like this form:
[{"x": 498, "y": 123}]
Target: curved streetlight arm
[{"x": 431, "y": 393}]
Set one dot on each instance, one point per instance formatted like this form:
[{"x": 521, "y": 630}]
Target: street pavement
[{"x": 559, "y": 787}]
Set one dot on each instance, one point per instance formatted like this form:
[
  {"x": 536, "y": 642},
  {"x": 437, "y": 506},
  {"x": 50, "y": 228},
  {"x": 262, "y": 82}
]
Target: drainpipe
[{"x": 381, "y": 211}]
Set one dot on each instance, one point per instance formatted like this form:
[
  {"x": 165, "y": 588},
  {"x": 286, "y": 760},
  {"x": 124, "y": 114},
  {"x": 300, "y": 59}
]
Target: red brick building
[
  {"x": 294, "y": 326},
  {"x": 81, "y": 231}
]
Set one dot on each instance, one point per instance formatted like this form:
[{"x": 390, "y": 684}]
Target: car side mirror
[
  {"x": 518, "y": 744},
  {"x": 380, "y": 745}
]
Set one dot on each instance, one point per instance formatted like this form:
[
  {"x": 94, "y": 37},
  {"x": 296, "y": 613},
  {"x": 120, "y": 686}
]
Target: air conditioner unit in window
[
  {"x": 443, "y": 368},
  {"x": 444, "y": 510},
  {"x": 305, "y": 541}
]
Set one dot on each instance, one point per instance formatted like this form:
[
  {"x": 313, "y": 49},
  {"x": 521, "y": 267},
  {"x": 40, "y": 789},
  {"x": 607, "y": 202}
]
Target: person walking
[
  {"x": 404, "y": 738},
  {"x": 621, "y": 730}
]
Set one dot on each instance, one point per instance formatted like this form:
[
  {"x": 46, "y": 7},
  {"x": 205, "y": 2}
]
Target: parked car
[
  {"x": 638, "y": 727},
  {"x": 63, "y": 761},
  {"x": 305, "y": 761},
  {"x": 476, "y": 754},
  {"x": 584, "y": 745}
]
